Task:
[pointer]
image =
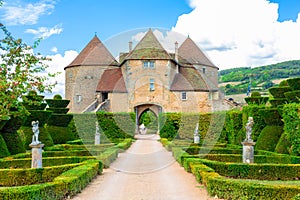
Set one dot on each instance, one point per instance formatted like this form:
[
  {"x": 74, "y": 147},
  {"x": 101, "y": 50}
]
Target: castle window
[
  {"x": 78, "y": 98},
  {"x": 148, "y": 64},
  {"x": 203, "y": 70},
  {"x": 151, "y": 86},
  {"x": 183, "y": 96}
]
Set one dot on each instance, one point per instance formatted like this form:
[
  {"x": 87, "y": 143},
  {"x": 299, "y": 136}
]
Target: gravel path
[{"x": 146, "y": 171}]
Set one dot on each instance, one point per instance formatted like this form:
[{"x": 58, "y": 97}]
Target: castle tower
[{"x": 83, "y": 73}]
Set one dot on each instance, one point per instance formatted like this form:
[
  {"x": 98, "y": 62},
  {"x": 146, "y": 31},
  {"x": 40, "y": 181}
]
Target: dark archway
[{"x": 143, "y": 108}]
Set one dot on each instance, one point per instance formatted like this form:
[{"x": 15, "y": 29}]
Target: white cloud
[
  {"x": 237, "y": 33},
  {"x": 44, "y": 32},
  {"x": 54, "y": 49},
  {"x": 26, "y": 14},
  {"x": 57, "y": 64}
]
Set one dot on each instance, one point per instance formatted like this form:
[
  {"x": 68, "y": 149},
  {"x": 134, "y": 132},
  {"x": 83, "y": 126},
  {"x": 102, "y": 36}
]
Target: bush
[
  {"x": 259, "y": 122},
  {"x": 3, "y": 148},
  {"x": 67, "y": 184},
  {"x": 291, "y": 126},
  {"x": 283, "y": 146},
  {"x": 278, "y": 102},
  {"x": 26, "y": 134},
  {"x": 294, "y": 83},
  {"x": 278, "y": 92},
  {"x": 293, "y": 97},
  {"x": 40, "y": 115},
  {"x": 233, "y": 124},
  {"x": 271, "y": 116},
  {"x": 29, "y": 176},
  {"x": 62, "y": 120},
  {"x": 57, "y": 103},
  {"x": 268, "y": 138},
  {"x": 60, "y": 134},
  {"x": 256, "y": 100},
  {"x": 57, "y": 97}
]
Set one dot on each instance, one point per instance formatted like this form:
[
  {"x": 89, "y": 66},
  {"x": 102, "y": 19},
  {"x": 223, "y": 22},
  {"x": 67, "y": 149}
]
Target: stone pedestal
[
  {"x": 37, "y": 156},
  {"x": 97, "y": 139},
  {"x": 196, "y": 139},
  {"x": 248, "y": 151}
]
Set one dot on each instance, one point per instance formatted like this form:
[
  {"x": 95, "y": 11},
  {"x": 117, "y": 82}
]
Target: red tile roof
[
  {"x": 112, "y": 81},
  {"x": 95, "y": 54},
  {"x": 190, "y": 79},
  {"x": 190, "y": 53}
]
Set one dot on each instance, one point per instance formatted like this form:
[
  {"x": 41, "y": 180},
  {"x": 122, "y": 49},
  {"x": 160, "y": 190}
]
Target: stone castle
[{"x": 147, "y": 77}]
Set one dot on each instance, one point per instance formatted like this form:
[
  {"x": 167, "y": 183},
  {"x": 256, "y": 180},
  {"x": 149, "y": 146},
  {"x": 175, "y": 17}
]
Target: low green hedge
[
  {"x": 108, "y": 156},
  {"x": 252, "y": 171},
  {"x": 67, "y": 184},
  {"x": 237, "y": 189},
  {"x": 10, "y": 163},
  {"x": 29, "y": 176},
  {"x": 62, "y": 147}
]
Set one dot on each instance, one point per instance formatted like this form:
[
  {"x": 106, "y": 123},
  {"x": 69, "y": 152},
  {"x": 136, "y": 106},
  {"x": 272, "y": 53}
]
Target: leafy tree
[{"x": 21, "y": 71}]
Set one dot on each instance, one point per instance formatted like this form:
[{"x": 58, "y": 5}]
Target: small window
[
  {"x": 203, "y": 70},
  {"x": 151, "y": 86},
  {"x": 78, "y": 98},
  {"x": 183, "y": 96},
  {"x": 149, "y": 64}
]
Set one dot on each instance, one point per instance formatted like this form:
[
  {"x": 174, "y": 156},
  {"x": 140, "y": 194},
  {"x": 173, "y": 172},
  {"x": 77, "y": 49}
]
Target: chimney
[
  {"x": 130, "y": 46},
  {"x": 176, "y": 51}
]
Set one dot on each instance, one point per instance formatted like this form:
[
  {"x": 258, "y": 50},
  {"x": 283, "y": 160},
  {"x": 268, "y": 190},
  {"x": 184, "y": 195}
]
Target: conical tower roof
[
  {"x": 94, "y": 54},
  {"x": 190, "y": 53},
  {"x": 148, "y": 48}
]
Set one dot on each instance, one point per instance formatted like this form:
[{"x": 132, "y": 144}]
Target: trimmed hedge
[
  {"x": 256, "y": 100},
  {"x": 271, "y": 116},
  {"x": 254, "y": 171},
  {"x": 67, "y": 184},
  {"x": 182, "y": 125},
  {"x": 26, "y": 134},
  {"x": 294, "y": 83},
  {"x": 269, "y": 138},
  {"x": 57, "y": 103},
  {"x": 291, "y": 118},
  {"x": 283, "y": 146},
  {"x": 278, "y": 92},
  {"x": 293, "y": 97},
  {"x": 60, "y": 120},
  {"x": 29, "y": 176},
  {"x": 61, "y": 134},
  {"x": 3, "y": 148},
  {"x": 233, "y": 124}
]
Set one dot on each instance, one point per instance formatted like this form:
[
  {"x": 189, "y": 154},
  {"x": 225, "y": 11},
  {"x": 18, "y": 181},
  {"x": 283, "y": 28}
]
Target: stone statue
[
  {"x": 35, "y": 130},
  {"x": 249, "y": 126},
  {"x": 97, "y": 134},
  {"x": 196, "y": 134}
]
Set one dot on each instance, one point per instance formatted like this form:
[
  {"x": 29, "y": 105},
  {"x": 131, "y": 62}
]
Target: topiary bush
[
  {"x": 269, "y": 138},
  {"x": 294, "y": 83},
  {"x": 293, "y": 97},
  {"x": 278, "y": 92},
  {"x": 291, "y": 120},
  {"x": 283, "y": 146},
  {"x": 3, "y": 148},
  {"x": 271, "y": 116}
]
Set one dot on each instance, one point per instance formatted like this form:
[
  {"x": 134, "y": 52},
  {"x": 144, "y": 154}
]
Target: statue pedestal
[
  {"x": 248, "y": 151},
  {"x": 37, "y": 157},
  {"x": 97, "y": 139},
  {"x": 196, "y": 139}
]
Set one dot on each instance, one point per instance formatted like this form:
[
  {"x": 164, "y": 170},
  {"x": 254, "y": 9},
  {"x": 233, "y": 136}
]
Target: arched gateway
[{"x": 140, "y": 109}]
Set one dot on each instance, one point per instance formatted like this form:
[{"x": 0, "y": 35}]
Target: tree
[{"x": 21, "y": 71}]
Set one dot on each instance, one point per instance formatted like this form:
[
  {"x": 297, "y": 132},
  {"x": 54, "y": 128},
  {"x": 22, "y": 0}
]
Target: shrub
[
  {"x": 294, "y": 83},
  {"x": 3, "y": 148},
  {"x": 278, "y": 102},
  {"x": 268, "y": 138},
  {"x": 291, "y": 126},
  {"x": 278, "y": 92},
  {"x": 256, "y": 100},
  {"x": 57, "y": 97},
  {"x": 26, "y": 134},
  {"x": 57, "y": 103},
  {"x": 60, "y": 135},
  {"x": 233, "y": 124},
  {"x": 293, "y": 97},
  {"x": 259, "y": 122},
  {"x": 271, "y": 116},
  {"x": 283, "y": 146},
  {"x": 62, "y": 120}
]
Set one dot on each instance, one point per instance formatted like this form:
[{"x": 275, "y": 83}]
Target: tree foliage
[{"x": 21, "y": 71}]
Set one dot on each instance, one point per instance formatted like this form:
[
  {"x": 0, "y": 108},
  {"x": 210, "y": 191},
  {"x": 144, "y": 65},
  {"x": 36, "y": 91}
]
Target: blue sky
[{"x": 233, "y": 33}]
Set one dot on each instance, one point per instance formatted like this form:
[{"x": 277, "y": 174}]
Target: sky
[{"x": 232, "y": 33}]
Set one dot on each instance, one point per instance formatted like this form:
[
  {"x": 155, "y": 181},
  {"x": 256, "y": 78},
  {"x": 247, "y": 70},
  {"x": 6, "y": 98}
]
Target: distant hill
[{"x": 261, "y": 78}]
